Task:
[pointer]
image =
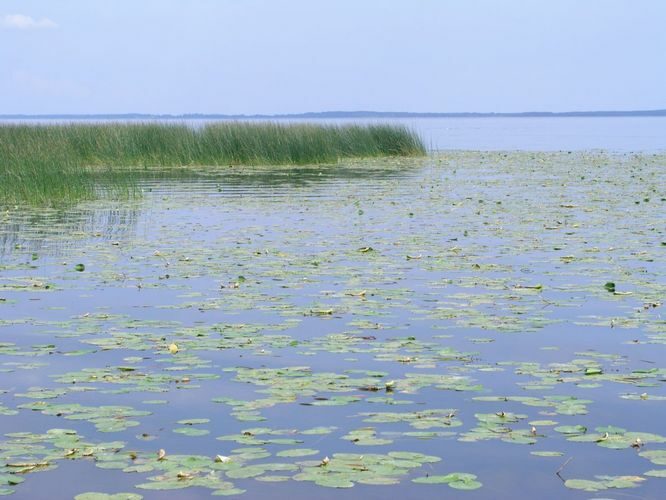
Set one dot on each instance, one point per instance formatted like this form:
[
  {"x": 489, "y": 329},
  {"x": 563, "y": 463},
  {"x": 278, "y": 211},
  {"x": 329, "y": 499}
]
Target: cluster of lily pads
[{"x": 463, "y": 302}]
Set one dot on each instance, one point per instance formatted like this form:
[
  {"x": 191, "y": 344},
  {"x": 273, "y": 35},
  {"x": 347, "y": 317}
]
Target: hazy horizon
[
  {"x": 607, "y": 113},
  {"x": 291, "y": 57}
]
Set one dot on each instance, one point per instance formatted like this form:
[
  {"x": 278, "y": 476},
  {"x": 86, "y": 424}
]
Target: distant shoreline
[{"x": 336, "y": 115}]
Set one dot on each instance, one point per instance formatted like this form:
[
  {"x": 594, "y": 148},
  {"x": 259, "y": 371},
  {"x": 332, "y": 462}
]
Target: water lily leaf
[
  {"x": 334, "y": 481},
  {"x": 585, "y": 485},
  {"x": 457, "y": 480},
  {"x": 656, "y": 473},
  {"x": 193, "y": 421},
  {"x": 106, "y": 496},
  {"x": 191, "y": 431},
  {"x": 571, "y": 429},
  {"x": 319, "y": 430},
  {"x": 469, "y": 484},
  {"x": 297, "y": 452},
  {"x": 604, "y": 482},
  {"x": 273, "y": 479},
  {"x": 246, "y": 472},
  {"x": 546, "y": 453},
  {"x": 657, "y": 457},
  {"x": 229, "y": 492},
  {"x": 10, "y": 479},
  {"x": 378, "y": 481},
  {"x": 414, "y": 456},
  {"x": 111, "y": 464},
  {"x": 173, "y": 484},
  {"x": 543, "y": 422},
  {"x": 433, "y": 480}
]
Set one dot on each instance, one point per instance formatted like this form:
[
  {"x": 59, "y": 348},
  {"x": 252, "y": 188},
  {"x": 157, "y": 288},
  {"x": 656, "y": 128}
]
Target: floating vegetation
[
  {"x": 616, "y": 438},
  {"x": 380, "y": 322},
  {"x": 604, "y": 483},
  {"x": 105, "y": 418},
  {"x": 562, "y": 405},
  {"x": 456, "y": 480},
  {"x": 366, "y": 436},
  {"x": 426, "y": 419},
  {"x": 176, "y": 472},
  {"x": 91, "y": 495},
  {"x": 343, "y": 470},
  {"x": 500, "y": 426},
  {"x": 25, "y": 452}
]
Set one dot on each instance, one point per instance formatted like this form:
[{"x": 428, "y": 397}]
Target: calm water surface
[{"x": 458, "y": 307}]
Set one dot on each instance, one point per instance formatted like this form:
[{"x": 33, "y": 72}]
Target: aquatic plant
[
  {"x": 47, "y": 164},
  {"x": 263, "y": 329}
]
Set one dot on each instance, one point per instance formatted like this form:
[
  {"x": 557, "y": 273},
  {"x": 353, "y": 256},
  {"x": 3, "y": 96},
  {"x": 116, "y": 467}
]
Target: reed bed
[{"x": 48, "y": 164}]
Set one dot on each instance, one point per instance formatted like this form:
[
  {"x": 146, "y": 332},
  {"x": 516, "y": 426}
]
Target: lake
[{"x": 471, "y": 324}]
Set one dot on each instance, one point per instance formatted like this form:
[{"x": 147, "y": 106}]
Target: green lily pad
[
  {"x": 108, "y": 496},
  {"x": 657, "y": 457},
  {"x": 604, "y": 482},
  {"x": 297, "y": 452},
  {"x": 457, "y": 480},
  {"x": 546, "y": 453},
  {"x": 336, "y": 481},
  {"x": 191, "y": 431},
  {"x": 571, "y": 429},
  {"x": 193, "y": 421},
  {"x": 585, "y": 485},
  {"x": 229, "y": 492}
]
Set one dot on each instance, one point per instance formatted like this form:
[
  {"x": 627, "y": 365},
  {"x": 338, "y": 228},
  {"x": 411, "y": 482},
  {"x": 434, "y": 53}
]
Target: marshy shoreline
[{"x": 51, "y": 164}]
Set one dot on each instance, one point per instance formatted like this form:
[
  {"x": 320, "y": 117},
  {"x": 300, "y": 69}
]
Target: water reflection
[
  {"x": 258, "y": 180},
  {"x": 54, "y": 232}
]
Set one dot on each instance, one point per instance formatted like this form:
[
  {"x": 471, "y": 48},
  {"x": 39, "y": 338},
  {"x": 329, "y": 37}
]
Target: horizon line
[{"x": 343, "y": 114}]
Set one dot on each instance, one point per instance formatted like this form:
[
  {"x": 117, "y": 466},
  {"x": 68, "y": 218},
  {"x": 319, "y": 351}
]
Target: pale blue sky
[{"x": 273, "y": 56}]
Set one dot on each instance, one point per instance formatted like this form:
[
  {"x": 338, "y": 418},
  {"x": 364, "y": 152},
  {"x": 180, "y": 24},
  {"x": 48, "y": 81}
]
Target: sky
[{"x": 293, "y": 56}]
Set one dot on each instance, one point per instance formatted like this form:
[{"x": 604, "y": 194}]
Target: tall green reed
[{"x": 49, "y": 164}]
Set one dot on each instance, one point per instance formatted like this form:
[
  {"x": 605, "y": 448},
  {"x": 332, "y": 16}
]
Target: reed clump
[{"x": 48, "y": 163}]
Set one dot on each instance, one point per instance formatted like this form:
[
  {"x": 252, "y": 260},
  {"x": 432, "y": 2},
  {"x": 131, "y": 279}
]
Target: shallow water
[{"x": 471, "y": 285}]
